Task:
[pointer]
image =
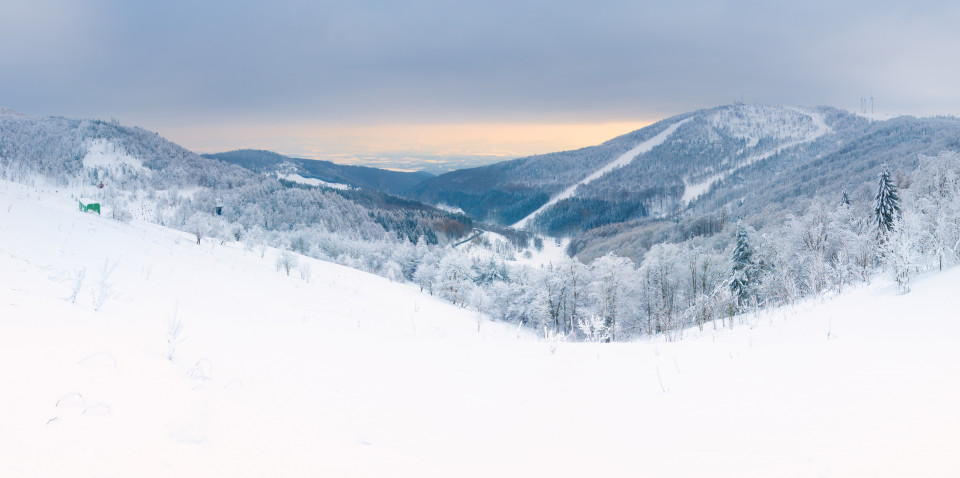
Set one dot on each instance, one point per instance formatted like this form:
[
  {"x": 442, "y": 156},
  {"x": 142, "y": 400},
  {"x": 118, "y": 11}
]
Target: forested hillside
[
  {"x": 147, "y": 177},
  {"x": 393, "y": 182},
  {"x": 730, "y": 160},
  {"x": 767, "y": 192},
  {"x": 770, "y": 228}
]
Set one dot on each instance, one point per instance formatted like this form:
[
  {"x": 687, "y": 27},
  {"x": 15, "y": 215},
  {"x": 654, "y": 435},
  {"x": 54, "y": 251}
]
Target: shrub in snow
[
  {"x": 77, "y": 285},
  {"x": 103, "y": 291},
  {"x": 174, "y": 335},
  {"x": 594, "y": 328},
  {"x": 305, "y": 271},
  {"x": 286, "y": 261}
]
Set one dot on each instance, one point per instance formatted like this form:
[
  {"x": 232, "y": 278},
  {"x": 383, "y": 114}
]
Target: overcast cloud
[{"x": 368, "y": 62}]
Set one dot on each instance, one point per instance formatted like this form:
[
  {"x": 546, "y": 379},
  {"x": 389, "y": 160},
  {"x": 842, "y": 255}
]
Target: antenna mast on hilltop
[{"x": 863, "y": 104}]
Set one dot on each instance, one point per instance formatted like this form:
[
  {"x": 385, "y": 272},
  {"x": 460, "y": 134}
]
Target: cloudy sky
[{"x": 399, "y": 83}]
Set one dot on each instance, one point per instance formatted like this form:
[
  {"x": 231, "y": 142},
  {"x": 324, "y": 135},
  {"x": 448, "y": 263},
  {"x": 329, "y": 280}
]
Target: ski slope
[
  {"x": 348, "y": 374},
  {"x": 621, "y": 161},
  {"x": 693, "y": 190}
]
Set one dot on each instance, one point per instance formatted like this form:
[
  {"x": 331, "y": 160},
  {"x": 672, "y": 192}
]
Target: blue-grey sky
[{"x": 361, "y": 78}]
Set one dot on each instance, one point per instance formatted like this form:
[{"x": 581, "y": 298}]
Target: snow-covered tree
[
  {"x": 287, "y": 261},
  {"x": 199, "y": 224},
  {"x": 744, "y": 270},
  {"x": 426, "y": 273},
  {"x": 887, "y": 208},
  {"x": 454, "y": 279},
  {"x": 612, "y": 275}
]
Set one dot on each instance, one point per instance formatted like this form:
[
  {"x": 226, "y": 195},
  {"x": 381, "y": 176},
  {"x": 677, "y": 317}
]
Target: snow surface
[
  {"x": 352, "y": 375},
  {"x": 621, "y": 161},
  {"x": 296, "y": 178},
  {"x": 762, "y": 123},
  {"x": 553, "y": 251},
  {"x": 104, "y": 155}
]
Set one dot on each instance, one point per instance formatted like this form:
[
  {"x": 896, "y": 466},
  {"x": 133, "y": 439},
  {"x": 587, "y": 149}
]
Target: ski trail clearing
[
  {"x": 693, "y": 191},
  {"x": 623, "y": 160}
]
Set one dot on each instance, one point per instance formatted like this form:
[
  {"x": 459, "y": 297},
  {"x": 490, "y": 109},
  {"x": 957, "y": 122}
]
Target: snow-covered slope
[
  {"x": 758, "y": 123},
  {"x": 348, "y": 374},
  {"x": 621, "y": 161},
  {"x": 655, "y": 172}
]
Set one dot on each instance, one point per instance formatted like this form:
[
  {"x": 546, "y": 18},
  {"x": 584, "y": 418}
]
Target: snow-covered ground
[
  {"x": 348, "y": 374},
  {"x": 296, "y": 178},
  {"x": 621, "y": 161},
  {"x": 106, "y": 156}
]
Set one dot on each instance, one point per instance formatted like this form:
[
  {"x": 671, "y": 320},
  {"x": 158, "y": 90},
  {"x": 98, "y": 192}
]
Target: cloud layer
[{"x": 176, "y": 63}]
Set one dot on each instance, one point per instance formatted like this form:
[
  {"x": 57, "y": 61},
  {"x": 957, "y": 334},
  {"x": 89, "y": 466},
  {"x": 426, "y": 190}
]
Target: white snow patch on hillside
[
  {"x": 349, "y": 374},
  {"x": 296, "y": 178},
  {"x": 752, "y": 128},
  {"x": 107, "y": 157},
  {"x": 621, "y": 161},
  {"x": 693, "y": 191},
  {"x": 753, "y": 122},
  {"x": 553, "y": 252},
  {"x": 449, "y": 208}
]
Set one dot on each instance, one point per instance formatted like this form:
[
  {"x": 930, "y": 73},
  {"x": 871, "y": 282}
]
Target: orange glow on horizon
[{"x": 346, "y": 143}]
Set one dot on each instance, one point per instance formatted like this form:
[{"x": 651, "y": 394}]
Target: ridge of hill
[{"x": 268, "y": 162}]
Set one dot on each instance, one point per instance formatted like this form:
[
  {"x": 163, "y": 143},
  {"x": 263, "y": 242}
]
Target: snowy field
[{"x": 344, "y": 373}]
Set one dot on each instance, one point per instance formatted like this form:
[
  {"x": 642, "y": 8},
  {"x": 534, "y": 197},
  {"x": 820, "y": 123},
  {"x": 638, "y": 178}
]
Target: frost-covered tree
[
  {"x": 744, "y": 270},
  {"x": 426, "y": 273},
  {"x": 612, "y": 275},
  {"x": 662, "y": 285},
  {"x": 903, "y": 250},
  {"x": 454, "y": 278},
  {"x": 287, "y": 261},
  {"x": 199, "y": 224},
  {"x": 887, "y": 208}
]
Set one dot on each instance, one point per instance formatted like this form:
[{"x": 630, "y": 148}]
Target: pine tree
[
  {"x": 742, "y": 284},
  {"x": 887, "y": 209}
]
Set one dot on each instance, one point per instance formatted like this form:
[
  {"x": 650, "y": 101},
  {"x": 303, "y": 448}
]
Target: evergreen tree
[
  {"x": 887, "y": 209},
  {"x": 743, "y": 281}
]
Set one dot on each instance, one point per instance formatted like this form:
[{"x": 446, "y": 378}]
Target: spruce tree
[
  {"x": 887, "y": 209},
  {"x": 744, "y": 276}
]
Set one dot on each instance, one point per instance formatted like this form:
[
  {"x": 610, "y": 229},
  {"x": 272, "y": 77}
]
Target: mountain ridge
[
  {"x": 729, "y": 161},
  {"x": 269, "y": 162}
]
